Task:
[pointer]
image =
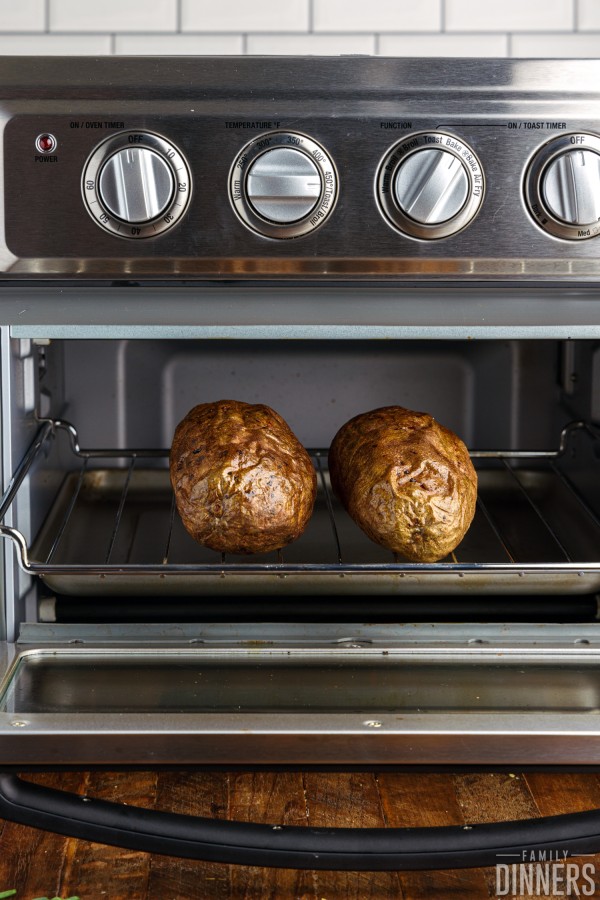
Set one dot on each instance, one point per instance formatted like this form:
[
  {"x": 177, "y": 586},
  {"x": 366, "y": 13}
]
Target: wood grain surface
[{"x": 37, "y": 864}]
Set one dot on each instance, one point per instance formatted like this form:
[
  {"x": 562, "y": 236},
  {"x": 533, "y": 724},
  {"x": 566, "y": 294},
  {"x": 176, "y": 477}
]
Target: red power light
[{"x": 45, "y": 143}]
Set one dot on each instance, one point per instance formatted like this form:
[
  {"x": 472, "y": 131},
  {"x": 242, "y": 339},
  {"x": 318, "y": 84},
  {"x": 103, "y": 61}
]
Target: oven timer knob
[
  {"x": 430, "y": 185},
  {"x": 562, "y": 186},
  {"x": 136, "y": 185},
  {"x": 283, "y": 185}
]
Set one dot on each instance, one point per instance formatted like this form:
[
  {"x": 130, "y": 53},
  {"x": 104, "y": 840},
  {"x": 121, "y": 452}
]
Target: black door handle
[{"x": 356, "y": 849}]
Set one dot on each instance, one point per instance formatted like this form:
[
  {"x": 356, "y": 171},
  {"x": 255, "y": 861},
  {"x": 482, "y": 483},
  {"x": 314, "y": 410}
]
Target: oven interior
[
  {"x": 105, "y": 589},
  {"x": 526, "y": 409}
]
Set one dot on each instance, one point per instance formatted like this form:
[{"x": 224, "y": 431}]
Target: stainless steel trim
[
  {"x": 299, "y": 739},
  {"x": 466, "y": 272},
  {"x": 472, "y": 637},
  {"x": 7, "y": 565},
  {"x": 569, "y": 733},
  {"x": 272, "y": 311}
]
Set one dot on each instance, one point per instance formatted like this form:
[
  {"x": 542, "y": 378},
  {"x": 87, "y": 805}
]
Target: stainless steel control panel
[{"x": 340, "y": 168}]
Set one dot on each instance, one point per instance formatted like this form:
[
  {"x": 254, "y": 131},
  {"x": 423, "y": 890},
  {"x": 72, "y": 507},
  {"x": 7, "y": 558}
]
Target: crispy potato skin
[
  {"x": 407, "y": 481},
  {"x": 243, "y": 483}
]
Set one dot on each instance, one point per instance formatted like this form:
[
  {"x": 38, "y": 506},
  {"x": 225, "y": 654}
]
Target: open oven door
[{"x": 317, "y": 695}]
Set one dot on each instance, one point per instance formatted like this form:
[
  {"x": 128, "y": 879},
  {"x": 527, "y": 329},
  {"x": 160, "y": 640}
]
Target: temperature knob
[
  {"x": 136, "y": 185},
  {"x": 430, "y": 185},
  {"x": 283, "y": 185},
  {"x": 562, "y": 186}
]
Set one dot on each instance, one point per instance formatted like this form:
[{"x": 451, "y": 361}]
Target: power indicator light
[{"x": 45, "y": 143}]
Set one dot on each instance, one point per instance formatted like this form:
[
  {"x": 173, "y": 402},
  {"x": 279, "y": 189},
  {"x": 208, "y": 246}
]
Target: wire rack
[{"x": 113, "y": 528}]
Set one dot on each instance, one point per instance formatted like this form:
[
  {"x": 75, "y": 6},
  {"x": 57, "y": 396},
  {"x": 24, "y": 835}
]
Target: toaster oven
[{"x": 325, "y": 236}]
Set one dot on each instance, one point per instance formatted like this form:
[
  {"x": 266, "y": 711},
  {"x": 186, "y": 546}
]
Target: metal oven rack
[{"x": 113, "y": 528}]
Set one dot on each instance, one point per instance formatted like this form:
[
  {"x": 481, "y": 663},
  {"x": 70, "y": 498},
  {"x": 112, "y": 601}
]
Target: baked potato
[
  {"x": 243, "y": 483},
  {"x": 407, "y": 481}
]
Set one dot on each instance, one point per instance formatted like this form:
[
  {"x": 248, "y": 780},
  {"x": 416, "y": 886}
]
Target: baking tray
[{"x": 113, "y": 529}]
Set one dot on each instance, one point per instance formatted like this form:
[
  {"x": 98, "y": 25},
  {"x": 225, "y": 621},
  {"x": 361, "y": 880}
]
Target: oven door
[{"x": 316, "y": 695}]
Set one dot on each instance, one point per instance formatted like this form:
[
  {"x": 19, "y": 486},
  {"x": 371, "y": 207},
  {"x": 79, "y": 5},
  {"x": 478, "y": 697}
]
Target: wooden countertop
[{"x": 38, "y": 864}]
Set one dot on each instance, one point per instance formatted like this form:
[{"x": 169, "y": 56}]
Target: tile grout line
[
  {"x": 178, "y": 17},
  {"x": 47, "y": 16},
  {"x": 575, "y": 15},
  {"x": 244, "y": 44},
  {"x": 311, "y": 16},
  {"x": 443, "y": 16},
  {"x": 113, "y": 44},
  {"x": 377, "y": 44},
  {"x": 509, "y": 45}
]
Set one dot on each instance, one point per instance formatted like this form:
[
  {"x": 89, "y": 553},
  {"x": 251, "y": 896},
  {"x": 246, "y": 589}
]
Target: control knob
[
  {"x": 136, "y": 184},
  {"x": 283, "y": 185},
  {"x": 430, "y": 185},
  {"x": 562, "y": 186}
]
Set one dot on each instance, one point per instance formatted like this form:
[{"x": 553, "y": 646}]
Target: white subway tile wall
[
  {"x": 240, "y": 15},
  {"x": 377, "y": 15},
  {"x": 23, "y": 16},
  {"x": 589, "y": 15},
  {"x": 113, "y": 15},
  {"x": 387, "y": 27},
  {"x": 509, "y": 15}
]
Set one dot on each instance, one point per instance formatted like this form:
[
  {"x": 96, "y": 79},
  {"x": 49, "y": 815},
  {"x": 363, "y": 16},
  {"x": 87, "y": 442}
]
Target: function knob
[
  {"x": 136, "y": 184},
  {"x": 562, "y": 186},
  {"x": 283, "y": 185},
  {"x": 430, "y": 185}
]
